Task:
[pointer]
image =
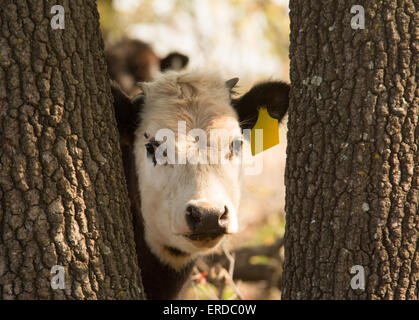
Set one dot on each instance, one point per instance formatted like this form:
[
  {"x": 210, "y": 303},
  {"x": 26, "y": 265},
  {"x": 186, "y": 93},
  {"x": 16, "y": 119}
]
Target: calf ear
[
  {"x": 272, "y": 94},
  {"x": 174, "y": 61},
  {"x": 126, "y": 112}
]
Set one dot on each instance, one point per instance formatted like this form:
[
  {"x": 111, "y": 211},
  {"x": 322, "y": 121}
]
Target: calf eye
[
  {"x": 150, "y": 149},
  {"x": 235, "y": 147}
]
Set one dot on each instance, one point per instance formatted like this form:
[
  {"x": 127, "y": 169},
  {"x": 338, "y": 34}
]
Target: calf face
[{"x": 187, "y": 149}]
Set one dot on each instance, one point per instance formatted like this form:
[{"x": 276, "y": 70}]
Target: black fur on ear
[
  {"x": 127, "y": 112},
  {"x": 272, "y": 94},
  {"x": 174, "y": 61}
]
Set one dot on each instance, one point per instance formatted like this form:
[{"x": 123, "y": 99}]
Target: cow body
[{"x": 181, "y": 209}]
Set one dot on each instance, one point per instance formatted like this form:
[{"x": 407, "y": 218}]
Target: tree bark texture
[
  {"x": 63, "y": 197},
  {"x": 352, "y": 172}
]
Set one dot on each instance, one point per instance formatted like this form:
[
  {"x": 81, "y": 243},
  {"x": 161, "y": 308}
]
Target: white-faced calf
[{"x": 183, "y": 209}]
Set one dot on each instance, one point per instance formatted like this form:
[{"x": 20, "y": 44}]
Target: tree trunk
[
  {"x": 352, "y": 172},
  {"x": 63, "y": 198}
]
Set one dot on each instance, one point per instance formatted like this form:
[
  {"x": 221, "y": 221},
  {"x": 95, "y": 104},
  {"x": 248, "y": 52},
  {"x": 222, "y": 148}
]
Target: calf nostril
[
  {"x": 223, "y": 220},
  {"x": 193, "y": 216}
]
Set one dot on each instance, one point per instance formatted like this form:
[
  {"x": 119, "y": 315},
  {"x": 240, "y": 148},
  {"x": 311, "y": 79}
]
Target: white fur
[{"x": 202, "y": 101}]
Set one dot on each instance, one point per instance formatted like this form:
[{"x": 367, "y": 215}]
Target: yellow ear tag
[{"x": 270, "y": 127}]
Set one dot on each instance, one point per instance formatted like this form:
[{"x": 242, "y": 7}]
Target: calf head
[{"x": 187, "y": 145}]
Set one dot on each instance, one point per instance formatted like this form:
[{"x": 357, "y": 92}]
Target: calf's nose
[{"x": 207, "y": 219}]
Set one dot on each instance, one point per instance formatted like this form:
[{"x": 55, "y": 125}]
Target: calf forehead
[{"x": 201, "y": 100}]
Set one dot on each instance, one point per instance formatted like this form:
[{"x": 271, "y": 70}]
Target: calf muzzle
[{"x": 206, "y": 222}]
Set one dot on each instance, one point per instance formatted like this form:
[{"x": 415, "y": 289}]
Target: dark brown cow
[{"x": 130, "y": 61}]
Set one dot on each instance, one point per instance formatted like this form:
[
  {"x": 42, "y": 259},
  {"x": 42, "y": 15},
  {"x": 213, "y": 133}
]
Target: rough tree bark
[
  {"x": 352, "y": 172},
  {"x": 63, "y": 198}
]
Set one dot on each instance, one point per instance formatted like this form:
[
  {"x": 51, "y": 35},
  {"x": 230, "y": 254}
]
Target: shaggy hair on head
[{"x": 195, "y": 97}]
